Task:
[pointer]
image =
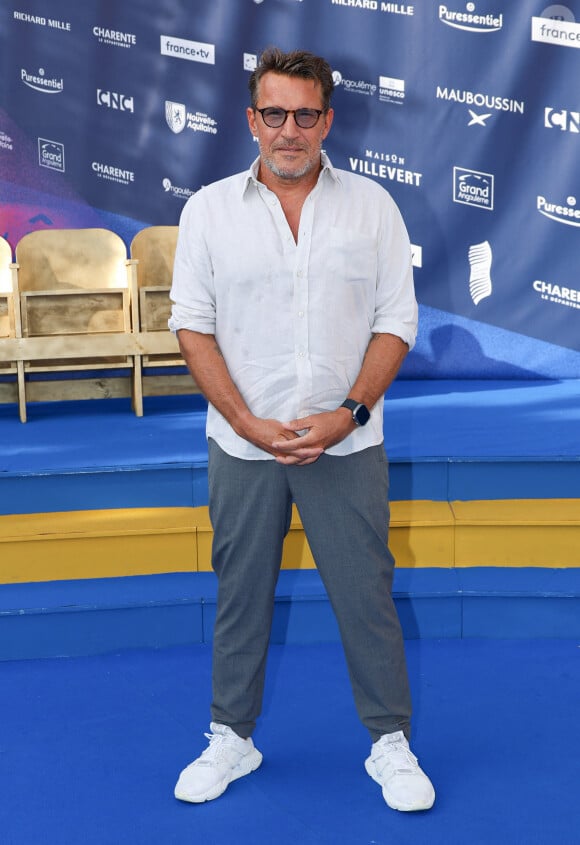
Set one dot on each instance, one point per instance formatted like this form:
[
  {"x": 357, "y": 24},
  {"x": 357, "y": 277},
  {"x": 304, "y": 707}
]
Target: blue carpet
[
  {"x": 430, "y": 418},
  {"x": 467, "y": 439},
  {"x": 90, "y": 749}
]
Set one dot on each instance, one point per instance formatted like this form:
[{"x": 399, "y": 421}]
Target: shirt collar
[{"x": 251, "y": 176}]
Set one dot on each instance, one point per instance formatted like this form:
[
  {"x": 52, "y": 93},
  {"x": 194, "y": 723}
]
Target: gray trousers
[{"x": 343, "y": 505}]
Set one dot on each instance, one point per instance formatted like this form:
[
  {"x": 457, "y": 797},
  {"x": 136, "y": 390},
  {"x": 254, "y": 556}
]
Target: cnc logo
[
  {"x": 192, "y": 51},
  {"x": 175, "y": 115},
  {"x": 51, "y": 154},
  {"x": 469, "y": 20},
  {"x": 567, "y": 214},
  {"x": 479, "y": 257},
  {"x": 114, "y": 100},
  {"x": 472, "y": 187},
  {"x": 41, "y": 82},
  {"x": 566, "y": 121}
]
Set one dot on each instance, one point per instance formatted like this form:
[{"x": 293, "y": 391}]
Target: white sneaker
[
  {"x": 227, "y": 758},
  {"x": 393, "y": 766}
]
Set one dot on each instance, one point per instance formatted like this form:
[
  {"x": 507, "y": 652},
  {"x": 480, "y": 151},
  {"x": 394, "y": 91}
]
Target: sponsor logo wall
[{"x": 112, "y": 116}]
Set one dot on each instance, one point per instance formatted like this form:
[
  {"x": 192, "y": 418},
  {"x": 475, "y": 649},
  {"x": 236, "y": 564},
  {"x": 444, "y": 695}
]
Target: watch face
[{"x": 362, "y": 415}]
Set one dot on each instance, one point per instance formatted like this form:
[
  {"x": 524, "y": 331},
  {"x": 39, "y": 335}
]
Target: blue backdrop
[{"x": 468, "y": 113}]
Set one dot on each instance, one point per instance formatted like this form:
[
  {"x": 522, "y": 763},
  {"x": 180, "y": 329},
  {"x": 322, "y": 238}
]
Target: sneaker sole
[
  {"x": 393, "y": 803},
  {"x": 246, "y": 766}
]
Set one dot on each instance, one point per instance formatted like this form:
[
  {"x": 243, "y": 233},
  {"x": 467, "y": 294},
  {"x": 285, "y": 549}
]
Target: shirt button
[
  {"x": 301, "y": 313},
  {"x": 301, "y": 354},
  {"x": 299, "y": 274}
]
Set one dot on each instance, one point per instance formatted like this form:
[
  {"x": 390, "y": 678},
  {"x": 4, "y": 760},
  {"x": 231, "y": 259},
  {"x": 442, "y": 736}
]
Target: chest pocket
[{"x": 353, "y": 256}]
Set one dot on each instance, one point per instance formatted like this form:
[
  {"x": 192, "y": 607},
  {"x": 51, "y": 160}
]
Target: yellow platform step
[
  {"x": 531, "y": 532},
  {"x": 141, "y": 541}
]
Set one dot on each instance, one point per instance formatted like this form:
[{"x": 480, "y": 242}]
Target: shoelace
[
  {"x": 397, "y": 757},
  {"x": 218, "y": 747}
]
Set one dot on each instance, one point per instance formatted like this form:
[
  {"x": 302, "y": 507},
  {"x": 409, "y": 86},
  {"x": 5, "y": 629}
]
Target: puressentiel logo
[
  {"x": 39, "y": 81},
  {"x": 568, "y": 214},
  {"x": 472, "y": 187},
  {"x": 51, "y": 154},
  {"x": 556, "y": 25},
  {"x": 469, "y": 20},
  {"x": 193, "y": 51}
]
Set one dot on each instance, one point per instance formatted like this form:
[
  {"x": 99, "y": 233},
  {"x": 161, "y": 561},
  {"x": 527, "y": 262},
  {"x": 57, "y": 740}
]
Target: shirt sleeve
[
  {"x": 192, "y": 291},
  {"x": 396, "y": 306}
]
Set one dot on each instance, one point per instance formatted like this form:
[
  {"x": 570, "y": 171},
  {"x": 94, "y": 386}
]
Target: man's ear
[
  {"x": 251, "y": 115},
  {"x": 328, "y": 118}
]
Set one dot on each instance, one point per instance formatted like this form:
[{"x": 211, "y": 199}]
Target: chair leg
[
  {"x": 137, "y": 391},
  {"x": 21, "y": 391}
]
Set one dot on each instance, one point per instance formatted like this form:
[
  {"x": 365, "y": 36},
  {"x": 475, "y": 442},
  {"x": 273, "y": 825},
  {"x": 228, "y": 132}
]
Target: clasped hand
[{"x": 303, "y": 441}]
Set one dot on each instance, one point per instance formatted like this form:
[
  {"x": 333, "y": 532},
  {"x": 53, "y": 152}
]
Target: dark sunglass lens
[
  {"x": 306, "y": 118},
  {"x": 274, "y": 117}
]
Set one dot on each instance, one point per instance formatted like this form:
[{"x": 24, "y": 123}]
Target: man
[{"x": 294, "y": 308}]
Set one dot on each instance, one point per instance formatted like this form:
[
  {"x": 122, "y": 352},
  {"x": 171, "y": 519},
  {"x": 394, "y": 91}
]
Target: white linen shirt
[{"x": 293, "y": 320}]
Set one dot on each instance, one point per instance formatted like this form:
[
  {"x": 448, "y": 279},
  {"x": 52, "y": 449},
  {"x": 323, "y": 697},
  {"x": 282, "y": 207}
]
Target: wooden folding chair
[
  {"x": 78, "y": 312},
  {"x": 153, "y": 252}
]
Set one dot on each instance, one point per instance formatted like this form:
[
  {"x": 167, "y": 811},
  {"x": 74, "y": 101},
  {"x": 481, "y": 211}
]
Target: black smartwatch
[{"x": 360, "y": 413}]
